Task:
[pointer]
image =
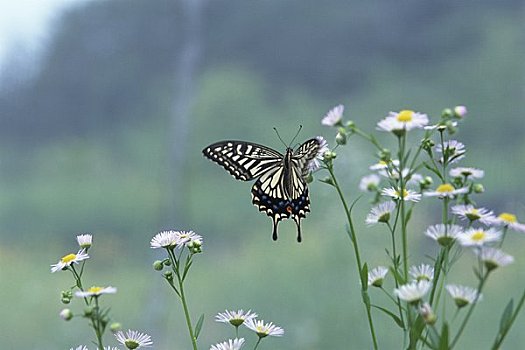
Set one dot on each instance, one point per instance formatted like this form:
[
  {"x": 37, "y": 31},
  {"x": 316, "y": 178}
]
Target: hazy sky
[{"x": 24, "y": 24}]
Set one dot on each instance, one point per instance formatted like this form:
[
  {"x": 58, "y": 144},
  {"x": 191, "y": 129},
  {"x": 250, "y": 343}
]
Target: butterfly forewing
[
  {"x": 305, "y": 154},
  {"x": 243, "y": 160}
]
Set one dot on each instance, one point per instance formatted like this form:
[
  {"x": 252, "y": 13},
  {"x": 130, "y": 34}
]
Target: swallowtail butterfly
[{"x": 280, "y": 190}]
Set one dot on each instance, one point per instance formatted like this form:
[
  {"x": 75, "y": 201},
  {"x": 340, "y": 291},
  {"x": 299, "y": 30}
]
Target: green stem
[
  {"x": 470, "y": 310},
  {"x": 395, "y": 263},
  {"x": 97, "y": 324},
  {"x": 257, "y": 344},
  {"x": 353, "y": 238},
  {"x": 182, "y": 296}
]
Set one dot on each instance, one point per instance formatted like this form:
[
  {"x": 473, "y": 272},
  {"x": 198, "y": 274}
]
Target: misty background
[{"x": 104, "y": 113}]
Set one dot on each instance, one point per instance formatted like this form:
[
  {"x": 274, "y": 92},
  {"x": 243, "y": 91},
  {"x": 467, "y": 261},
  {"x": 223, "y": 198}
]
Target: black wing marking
[
  {"x": 243, "y": 160},
  {"x": 305, "y": 154}
]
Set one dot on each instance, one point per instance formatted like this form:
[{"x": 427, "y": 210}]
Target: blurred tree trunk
[{"x": 185, "y": 75}]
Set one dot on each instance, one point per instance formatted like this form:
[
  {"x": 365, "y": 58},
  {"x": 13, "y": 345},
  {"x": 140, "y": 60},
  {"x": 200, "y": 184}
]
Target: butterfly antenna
[
  {"x": 297, "y": 134},
  {"x": 279, "y": 136}
]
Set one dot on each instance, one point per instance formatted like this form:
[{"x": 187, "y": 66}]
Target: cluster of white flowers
[
  {"x": 176, "y": 239},
  {"x": 249, "y": 320}
]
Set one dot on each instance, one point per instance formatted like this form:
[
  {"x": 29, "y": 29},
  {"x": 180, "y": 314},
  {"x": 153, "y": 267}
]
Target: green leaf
[
  {"x": 364, "y": 277},
  {"x": 198, "y": 326},
  {"x": 415, "y": 332},
  {"x": 396, "y": 318},
  {"x": 506, "y": 316},
  {"x": 443, "y": 341}
]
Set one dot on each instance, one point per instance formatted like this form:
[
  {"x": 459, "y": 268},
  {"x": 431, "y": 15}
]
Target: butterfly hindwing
[{"x": 280, "y": 190}]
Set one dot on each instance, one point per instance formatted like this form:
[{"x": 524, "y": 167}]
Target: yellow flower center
[
  {"x": 445, "y": 188},
  {"x": 405, "y": 116},
  {"x": 508, "y": 218},
  {"x": 405, "y": 193},
  {"x": 95, "y": 290},
  {"x": 478, "y": 236},
  {"x": 69, "y": 258}
]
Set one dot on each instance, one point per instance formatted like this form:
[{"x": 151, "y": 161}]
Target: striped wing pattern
[
  {"x": 243, "y": 160},
  {"x": 280, "y": 190}
]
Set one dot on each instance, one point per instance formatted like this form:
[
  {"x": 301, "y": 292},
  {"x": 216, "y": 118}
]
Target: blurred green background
[{"x": 102, "y": 132}]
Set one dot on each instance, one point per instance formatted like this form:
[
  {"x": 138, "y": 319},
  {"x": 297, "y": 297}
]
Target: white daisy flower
[
  {"x": 315, "y": 163},
  {"x": 508, "y": 220},
  {"x": 235, "y": 318},
  {"x": 478, "y": 236},
  {"x": 404, "y": 120},
  {"x": 95, "y": 291},
  {"x": 414, "y": 179},
  {"x": 460, "y": 111},
  {"x": 263, "y": 329},
  {"x": 408, "y": 195},
  {"x": 185, "y": 238},
  {"x": 493, "y": 258},
  {"x": 164, "y": 239},
  {"x": 334, "y": 116},
  {"x": 234, "y": 344},
  {"x": 462, "y": 295},
  {"x": 444, "y": 234},
  {"x": 80, "y": 347},
  {"x": 472, "y": 173},
  {"x": 111, "y": 348},
  {"x": 454, "y": 150},
  {"x": 414, "y": 291},
  {"x": 376, "y": 276},
  {"x": 85, "y": 240},
  {"x": 470, "y": 213},
  {"x": 70, "y": 259},
  {"x": 134, "y": 339},
  {"x": 423, "y": 272},
  {"x": 369, "y": 183},
  {"x": 380, "y": 213},
  {"x": 445, "y": 190}
]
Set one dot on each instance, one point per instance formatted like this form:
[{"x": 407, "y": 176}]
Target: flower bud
[
  {"x": 158, "y": 265},
  {"x": 447, "y": 113},
  {"x": 66, "y": 314},
  {"x": 460, "y": 112},
  {"x": 88, "y": 311},
  {"x": 427, "y": 144},
  {"x": 451, "y": 127},
  {"x": 427, "y": 314},
  {"x": 478, "y": 188},
  {"x": 309, "y": 178},
  {"x": 384, "y": 155},
  {"x": 115, "y": 327},
  {"x": 166, "y": 262},
  {"x": 168, "y": 275},
  {"x": 340, "y": 138},
  {"x": 66, "y": 296},
  {"x": 329, "y": 155}
]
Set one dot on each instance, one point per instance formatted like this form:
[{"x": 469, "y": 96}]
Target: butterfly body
[{"x": 280, "y": 189}]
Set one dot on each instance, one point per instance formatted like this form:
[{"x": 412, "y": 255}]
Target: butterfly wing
[{"x": 243, "y": 160}]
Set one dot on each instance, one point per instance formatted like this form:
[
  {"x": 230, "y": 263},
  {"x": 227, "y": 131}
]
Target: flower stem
[
  {"x": 353, "y": 238},
  {"x": 176, "y": 268},
  {"x": 470, "y": 310},
  {"x": 257, "y": 344}
]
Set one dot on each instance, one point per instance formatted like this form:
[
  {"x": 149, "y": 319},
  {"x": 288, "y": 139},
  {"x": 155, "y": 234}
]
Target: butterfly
[{"x": 280, "y": 189}]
